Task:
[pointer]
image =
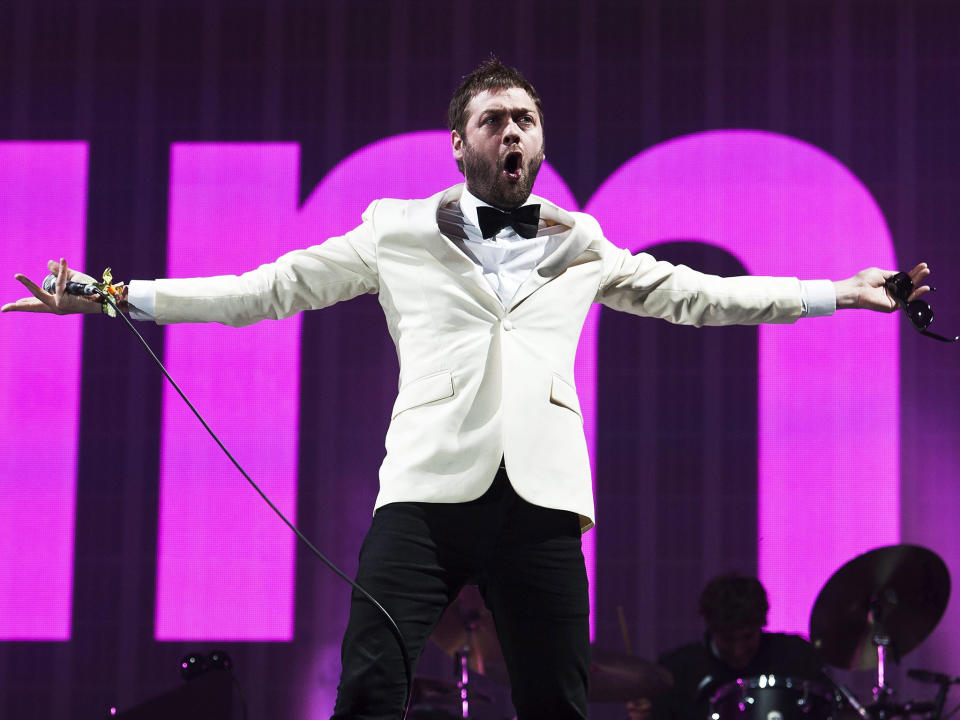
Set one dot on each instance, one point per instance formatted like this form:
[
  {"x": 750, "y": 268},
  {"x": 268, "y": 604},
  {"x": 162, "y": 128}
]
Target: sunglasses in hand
[{"x": 918, "y": 312}]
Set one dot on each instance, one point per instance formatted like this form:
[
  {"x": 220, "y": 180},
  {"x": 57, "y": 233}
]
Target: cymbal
[
  {"x": 617, "y": 677},
  {"x": 899, "y": 590},
  {"x": 468, "y": 626},
  {"x": 439, "y": 692}
]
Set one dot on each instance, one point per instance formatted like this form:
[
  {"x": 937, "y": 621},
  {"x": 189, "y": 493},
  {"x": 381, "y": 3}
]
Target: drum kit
[
  {"x": 466, "y": 632},
  {"x": 877, "y": 607}
]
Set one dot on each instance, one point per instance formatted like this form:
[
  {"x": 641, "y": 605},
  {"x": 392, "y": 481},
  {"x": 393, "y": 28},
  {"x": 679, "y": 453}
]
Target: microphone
[
  {"x": 934, "y": 678},
  {"x": 73, "y": 288}
]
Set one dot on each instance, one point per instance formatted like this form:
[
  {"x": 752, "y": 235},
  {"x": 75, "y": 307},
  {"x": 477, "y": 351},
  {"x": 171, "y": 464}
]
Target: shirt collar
[{"x": 469, "y": 204}]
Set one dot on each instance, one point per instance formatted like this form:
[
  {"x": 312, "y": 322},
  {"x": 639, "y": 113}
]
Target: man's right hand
[{"x": 58, "y": 303}]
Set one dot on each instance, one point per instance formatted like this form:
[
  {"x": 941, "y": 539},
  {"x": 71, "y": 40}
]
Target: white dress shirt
[{"x": 506, "y": 259}]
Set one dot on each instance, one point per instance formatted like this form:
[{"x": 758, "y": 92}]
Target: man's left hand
[{"x": 866, "y": 289}]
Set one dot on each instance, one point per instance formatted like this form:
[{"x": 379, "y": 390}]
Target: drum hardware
[
  {"x": 845, "y": 695},
  {"x": 890, "y": 709},
  {"x": 431, "y": 699},
  {"x": 618, "y": 677},
  {"x": 881, "y": 641},
  {"x": 467, "y": 633},
  {"x": 881, "y": 605},
  {"x": 772, "y": 697},
  {"x": 885, "y": 601},
  {"x": 943, "y": 683}
]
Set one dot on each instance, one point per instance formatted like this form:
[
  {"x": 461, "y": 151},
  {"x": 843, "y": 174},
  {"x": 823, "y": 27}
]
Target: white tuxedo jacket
[{"x": 479, "y": 381}]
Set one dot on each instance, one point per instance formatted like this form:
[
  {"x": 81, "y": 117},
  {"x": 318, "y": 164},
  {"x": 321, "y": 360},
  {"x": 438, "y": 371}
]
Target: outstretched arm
[
  {"x": 641, "y": 285},
  {"x": 866, "y": 289},
  {"x": 58, "y": 303}
]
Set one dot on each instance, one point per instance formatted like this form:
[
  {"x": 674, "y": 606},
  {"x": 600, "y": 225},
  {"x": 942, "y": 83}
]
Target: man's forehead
[{"x": 513, "y": 98}]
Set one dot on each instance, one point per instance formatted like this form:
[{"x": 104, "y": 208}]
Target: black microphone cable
[{"x": 394, "y": 628}]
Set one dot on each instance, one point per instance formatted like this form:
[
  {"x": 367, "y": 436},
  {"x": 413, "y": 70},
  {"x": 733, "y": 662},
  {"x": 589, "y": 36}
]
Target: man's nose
[{"x": 511, "y": 133}]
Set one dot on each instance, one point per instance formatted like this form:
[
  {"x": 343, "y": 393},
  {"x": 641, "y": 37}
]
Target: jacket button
[{"x": 507, "y": 325}]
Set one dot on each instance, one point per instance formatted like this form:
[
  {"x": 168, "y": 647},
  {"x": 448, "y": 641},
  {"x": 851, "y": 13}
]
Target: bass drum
[{"x": 773, "y": 697}]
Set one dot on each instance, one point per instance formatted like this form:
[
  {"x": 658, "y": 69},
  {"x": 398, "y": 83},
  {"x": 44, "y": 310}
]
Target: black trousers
[{"x": 529, "y": 566}]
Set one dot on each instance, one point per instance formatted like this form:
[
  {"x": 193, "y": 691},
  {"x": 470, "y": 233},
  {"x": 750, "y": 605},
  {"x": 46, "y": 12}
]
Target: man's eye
[{"x": 526, "y": 119}]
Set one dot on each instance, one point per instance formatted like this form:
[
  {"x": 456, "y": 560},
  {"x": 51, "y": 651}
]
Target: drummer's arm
[
  {"x": 640, "y": 709},
  {"x": 671, "y": 704},
  {"x": 666, "y": 706}
]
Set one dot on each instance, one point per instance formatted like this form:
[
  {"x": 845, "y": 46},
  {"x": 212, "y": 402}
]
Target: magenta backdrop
[
  {"x": 43, "y": 200},
  {"x": 829, "y": 481},
  {"x": 143, "y": 91},
  {"x": 225, "y": 565},
  {"x": 224, "y": 561}
]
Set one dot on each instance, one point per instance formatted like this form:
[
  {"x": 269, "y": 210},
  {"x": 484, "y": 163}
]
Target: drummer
[{"x": 734, "y": 609}]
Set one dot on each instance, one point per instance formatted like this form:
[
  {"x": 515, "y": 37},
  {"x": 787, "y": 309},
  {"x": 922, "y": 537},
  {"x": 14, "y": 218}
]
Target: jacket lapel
[
  {"x": 560, "y": 259},
  {"x": 442, "y": 230}
]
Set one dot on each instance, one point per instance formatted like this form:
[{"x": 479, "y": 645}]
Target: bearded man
[{"x": 486, "y": 478}]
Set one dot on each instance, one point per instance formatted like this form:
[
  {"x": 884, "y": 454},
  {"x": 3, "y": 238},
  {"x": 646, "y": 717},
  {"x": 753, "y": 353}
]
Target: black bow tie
[{"x": 524, "y": 220}]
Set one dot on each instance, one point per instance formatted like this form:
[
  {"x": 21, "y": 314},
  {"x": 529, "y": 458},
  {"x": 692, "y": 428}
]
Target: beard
[{"x": 487, "y": 181}]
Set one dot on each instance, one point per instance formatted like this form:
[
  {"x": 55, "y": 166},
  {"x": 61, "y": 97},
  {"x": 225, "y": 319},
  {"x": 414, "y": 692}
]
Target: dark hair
[
  {"x": 734, "y": 601},
  {"x": 490, "y": 75}
]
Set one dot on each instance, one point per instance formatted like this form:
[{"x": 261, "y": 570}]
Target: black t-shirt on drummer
[{"x": 698, "y": 674}]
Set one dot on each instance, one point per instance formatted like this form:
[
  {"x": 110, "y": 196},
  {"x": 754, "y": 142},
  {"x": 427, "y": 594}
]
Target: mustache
[{"x": 525, "y": 157}]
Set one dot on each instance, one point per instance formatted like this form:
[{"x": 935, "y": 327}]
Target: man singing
[{"x": 486, "y": 478}]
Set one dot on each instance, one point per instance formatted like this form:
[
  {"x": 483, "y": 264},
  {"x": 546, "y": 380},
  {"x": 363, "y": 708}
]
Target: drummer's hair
[{"x": 733, "y": 601}]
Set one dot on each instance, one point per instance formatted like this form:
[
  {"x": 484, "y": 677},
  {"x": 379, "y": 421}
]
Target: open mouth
[{"x": 512, "y": 165}]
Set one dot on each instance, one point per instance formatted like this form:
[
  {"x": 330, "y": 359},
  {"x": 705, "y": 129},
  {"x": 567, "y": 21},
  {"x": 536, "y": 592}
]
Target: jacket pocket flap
[
  {"x": 421, "y": 391},
  {"x": 564, "y": 394}
]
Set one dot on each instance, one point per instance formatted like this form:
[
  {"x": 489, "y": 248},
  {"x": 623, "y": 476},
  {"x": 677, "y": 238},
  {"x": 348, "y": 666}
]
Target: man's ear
[{"x": 456, "y": 143}]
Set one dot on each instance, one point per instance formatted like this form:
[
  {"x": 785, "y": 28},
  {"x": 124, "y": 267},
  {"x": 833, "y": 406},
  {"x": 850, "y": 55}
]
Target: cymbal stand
[
  {"x": 881, "y": 640},
  {"x": 847, "y": 695},
  {"x": 941, "y": 699},
  {"x": 461, "y": 665}
]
